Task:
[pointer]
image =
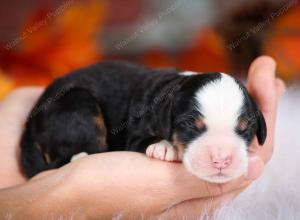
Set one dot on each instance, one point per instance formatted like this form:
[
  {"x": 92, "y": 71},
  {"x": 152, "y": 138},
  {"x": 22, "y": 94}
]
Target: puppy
[{"x": 207, "y": 121}]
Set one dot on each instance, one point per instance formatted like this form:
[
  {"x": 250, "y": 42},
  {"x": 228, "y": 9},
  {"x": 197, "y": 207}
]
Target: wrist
[
  {"x": 103, "y": 190},
  {"x": 50, "y": 197},
  {"x": 84, "y": 190}
]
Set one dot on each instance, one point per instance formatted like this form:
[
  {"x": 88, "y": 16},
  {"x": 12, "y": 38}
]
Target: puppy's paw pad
[
  {"x": 162, "y": 150},
  {"x": 78, "y": 156}
]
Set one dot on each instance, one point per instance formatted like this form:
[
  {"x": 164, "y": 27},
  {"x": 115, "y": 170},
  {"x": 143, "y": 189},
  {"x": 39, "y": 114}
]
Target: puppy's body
[
  {"x": 114, "y": 106},
  {"x": 93, "y": 112}
]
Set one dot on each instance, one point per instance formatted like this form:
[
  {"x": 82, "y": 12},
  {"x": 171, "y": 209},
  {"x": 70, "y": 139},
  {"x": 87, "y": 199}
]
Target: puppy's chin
[
  {"x": 216, "y": 178},
  {"x": 198, "y": 161}
]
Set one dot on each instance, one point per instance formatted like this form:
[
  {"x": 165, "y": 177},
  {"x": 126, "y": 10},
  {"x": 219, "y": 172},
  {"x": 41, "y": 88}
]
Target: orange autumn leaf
[{"x": 54, "y": 42}]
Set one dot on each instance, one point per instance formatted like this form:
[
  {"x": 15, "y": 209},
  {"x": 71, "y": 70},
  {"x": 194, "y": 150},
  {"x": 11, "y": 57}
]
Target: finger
[
  {"x": 261, "y": 83},
  {"x": 262, "y": 86}
]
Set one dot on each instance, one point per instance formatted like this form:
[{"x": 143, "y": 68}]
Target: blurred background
[{"x": 41, "y": 40}]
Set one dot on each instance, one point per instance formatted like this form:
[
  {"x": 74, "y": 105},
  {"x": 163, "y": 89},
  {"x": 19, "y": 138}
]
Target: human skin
[{"x": 124, "y": 184}]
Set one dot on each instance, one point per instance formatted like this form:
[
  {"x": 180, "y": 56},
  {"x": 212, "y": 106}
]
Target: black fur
[{"x": 114, "y": 106}]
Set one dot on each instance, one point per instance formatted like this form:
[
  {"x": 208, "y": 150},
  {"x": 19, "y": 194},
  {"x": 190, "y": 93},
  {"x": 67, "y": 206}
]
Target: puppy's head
[{"x": 215, "y": 122}]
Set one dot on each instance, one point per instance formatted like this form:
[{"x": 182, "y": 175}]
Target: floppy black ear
[{"x": 261, "y": 131}]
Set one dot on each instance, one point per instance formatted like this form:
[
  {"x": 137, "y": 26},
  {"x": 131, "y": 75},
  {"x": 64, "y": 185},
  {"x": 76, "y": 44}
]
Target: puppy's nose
[{"x": 221, "y": 162}]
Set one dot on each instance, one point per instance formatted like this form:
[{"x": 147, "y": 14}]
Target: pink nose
[{"x": 221, "y": 162}]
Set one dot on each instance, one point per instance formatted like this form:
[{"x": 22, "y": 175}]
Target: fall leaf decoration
[{"x": 54, "y": 42}]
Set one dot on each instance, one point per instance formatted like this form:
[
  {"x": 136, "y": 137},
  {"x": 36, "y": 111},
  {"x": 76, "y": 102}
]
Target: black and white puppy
[{"x": 205, "y": 120}]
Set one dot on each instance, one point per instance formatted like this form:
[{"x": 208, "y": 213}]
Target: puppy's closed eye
[{"x": 192, "y": 122}]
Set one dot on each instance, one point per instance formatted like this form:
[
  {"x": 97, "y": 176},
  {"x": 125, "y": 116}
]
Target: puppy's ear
[{"x": 261, "y": 131}]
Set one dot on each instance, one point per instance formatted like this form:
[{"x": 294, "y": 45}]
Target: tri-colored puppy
[{"x": 207, "y": 121}]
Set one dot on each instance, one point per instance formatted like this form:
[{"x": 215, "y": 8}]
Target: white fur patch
[
  {"x": 188, "y": 73},
  {"x": 220, "y": 103}
]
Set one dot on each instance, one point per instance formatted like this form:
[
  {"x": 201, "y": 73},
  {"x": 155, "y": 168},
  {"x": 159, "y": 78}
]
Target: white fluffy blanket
[{"x": 276, "y": 194}]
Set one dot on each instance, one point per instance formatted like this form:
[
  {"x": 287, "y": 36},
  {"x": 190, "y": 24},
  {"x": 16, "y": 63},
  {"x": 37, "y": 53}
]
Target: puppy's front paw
[{"x": 162, "y": 150}]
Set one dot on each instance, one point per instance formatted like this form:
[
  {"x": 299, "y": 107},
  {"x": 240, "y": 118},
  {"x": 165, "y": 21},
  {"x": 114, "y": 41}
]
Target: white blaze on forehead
[{"x": 220, "y": 102}]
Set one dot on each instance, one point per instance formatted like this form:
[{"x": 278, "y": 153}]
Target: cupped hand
[{"x": 130, "y": 184}]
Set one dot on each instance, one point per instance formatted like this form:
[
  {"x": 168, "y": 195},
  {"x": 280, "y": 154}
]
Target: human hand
[
  {"x": 130, "y": 184},
  {"x": 167, "y": 189}
]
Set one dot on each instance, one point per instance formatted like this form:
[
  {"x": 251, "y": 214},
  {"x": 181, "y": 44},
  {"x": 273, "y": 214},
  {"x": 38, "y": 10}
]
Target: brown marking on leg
[
  {"x": 47, "y": 158},
  {"x": 103, "y": 132},
  {"x": 45, "y": 155}
]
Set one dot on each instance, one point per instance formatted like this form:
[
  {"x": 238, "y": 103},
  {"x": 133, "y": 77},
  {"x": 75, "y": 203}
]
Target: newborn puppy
[{"x": 207, "y": 121}]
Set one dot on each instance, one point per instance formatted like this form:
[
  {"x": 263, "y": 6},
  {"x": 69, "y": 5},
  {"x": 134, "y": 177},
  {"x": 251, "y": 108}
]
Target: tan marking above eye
[
  {"x": 200, "y": 123},
  {"x": 243, "y": 124}
]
